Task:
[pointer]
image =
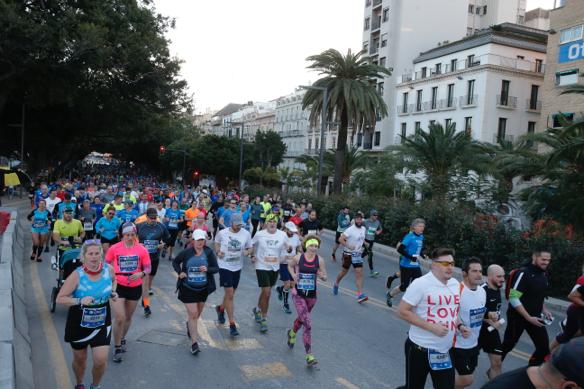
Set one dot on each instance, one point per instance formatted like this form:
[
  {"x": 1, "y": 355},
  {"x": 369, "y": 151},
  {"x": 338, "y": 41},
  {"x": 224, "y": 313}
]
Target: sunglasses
[
  {"x": 111, "y": 213},
  {"x": 92, "y": 241},
  {"x": 445, "y": 263}
]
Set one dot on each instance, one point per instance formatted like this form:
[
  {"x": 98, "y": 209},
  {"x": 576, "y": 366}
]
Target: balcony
[
  {"x": 508, "y": 138},
  {"x": 533, "y": 105},
  {"x": 468, "y": 101},
  {"x": 446, "y": 104},
  {"x": 373, "y": 50},
  {"x": 402, "y": 110},
  {"x": 406, "y": 77},
  {"x": 311, "y": 151},
  {"x": 506, "y": 101},
  {"x": 376, "y": 25},
  {"x": 377, "y": 3}
]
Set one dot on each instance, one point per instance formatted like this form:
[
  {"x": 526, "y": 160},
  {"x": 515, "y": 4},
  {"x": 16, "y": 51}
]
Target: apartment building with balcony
[
  {"x": 488, "y": 84},
  {"x": 292, "y": 123},
  {"x": 565, "y": 62},
  {"x": 396, "y": 31}
]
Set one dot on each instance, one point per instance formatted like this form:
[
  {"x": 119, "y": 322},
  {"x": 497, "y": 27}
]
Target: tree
[
  {"x": 379, "y": 178},
  {"x": 258, "y": 175},
  {"x": 269, "y": 148},
  {"x": 354, "y": 101},
  {"x": 354, "y": 159}
]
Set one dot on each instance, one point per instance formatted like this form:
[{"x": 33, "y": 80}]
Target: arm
[
  {"x": 575, "y": 296},
  {"x": 114, "y": 295},
  {"x": 212, "y": 261},
  {"x": 292, "y": 263},
  {"x": 343, "y": 241},
  {"x": 30, "y": 215},
  {"x": 515, "y": 300},
  {"x": 321, "y": 268},
  {"x": 177, "y": 262},
  {"x": 64, "y": 296}
]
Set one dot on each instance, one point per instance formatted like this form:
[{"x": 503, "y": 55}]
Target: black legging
[
  {"x": 255, "y": 223},
  {"x": 574, "y": 322},
  {"x": 418, "y": 368},
  {"x": 539, "y": 336}
]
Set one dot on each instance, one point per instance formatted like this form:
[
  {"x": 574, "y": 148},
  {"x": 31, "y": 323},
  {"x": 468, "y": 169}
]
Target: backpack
[{"x": 509, "y": 281}]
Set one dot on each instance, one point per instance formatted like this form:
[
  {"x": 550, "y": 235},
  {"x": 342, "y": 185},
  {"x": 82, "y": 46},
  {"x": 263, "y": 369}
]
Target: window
[
  {"x": 359, "y": 139},
  {"x": 404, "y": 127},
  {"x": 504, "y": 92},
  {"x": 533, "y": 97},
  {"x": 366, "y": 46},
  {"x": 383, "y": 40},
  {"x": 478, "y": 10},
  {"x": 431, "y": 122},
  {"x": 367, "y": 23},
  {"x": 450, "y": 95},
  {"x": 417, "y": 127},
  {"x": 470, "y": 8},
  {"x": 470, "y": 61},
  {"x": 334, "y": 144},
  {"x": 438, "y": 68},
  {"x": 520, "y": 57},
  {"x": 530, "y": 128},
  {"x": 316, "y": 144},
  {"x": 385, "y": 14},
  {"x": 434, "y": 97},
  {"x": 377, "y": 140},
  {"x": 501, "y": 129},
  {"x": 380, "y": 88},
  {"x": 485, "y": 10},
  {"x": 558, "y": 119},
  {"x": 367, "y": 3},
  {"x": 470, "y": 87},
  {"x": 468, "y": 125},
  {"x": 382, "y": 62},
  {"x": 419, "y": 100},
  {"x": 405, "y": 102},
  {"x": 424, "y": 72},
  {"x": 567, "y": 78},
  {"x": 447, "y": 122},
  {"x": 309, "y": 144},
  {"x": 452, "y": 65},
  {"x": 571, "y": 34}
]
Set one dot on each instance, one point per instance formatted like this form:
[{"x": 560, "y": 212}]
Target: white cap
[
  {"x": 199, "y": 234},
  {"x": 291, "y": 227}
]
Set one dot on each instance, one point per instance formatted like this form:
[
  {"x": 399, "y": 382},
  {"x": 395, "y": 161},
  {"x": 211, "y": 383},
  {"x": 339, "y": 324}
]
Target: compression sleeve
[
  {"x": 403, "y": 251},
  {"x": 514, "y": 298}
]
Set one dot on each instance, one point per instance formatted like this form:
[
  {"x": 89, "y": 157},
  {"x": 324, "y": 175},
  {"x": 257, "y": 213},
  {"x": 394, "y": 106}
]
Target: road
[{"x": 358, "y": 346}]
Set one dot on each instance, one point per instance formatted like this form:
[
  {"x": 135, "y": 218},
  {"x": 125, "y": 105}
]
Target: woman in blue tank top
[
  {"x": 87, "y": 292},
  {"x": 305, "y": 269},
  {"x": 41, "y": 222}
]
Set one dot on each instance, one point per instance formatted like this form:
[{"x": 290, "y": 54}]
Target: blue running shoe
[{"x": 335, "y": 289}]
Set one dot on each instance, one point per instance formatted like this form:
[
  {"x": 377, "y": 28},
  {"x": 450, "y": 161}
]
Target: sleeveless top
[
  {"x": 100, "y": 290},
  {"x": 40, "y": 219},
  {"x": 307, "y": 272}
]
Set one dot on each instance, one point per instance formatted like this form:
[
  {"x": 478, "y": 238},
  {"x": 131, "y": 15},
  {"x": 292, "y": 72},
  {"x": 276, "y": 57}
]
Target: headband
[
  {"x": 312, "y": 242},
  {"x": 271, "y": 217},
  {"x": 129, "y": 229}
]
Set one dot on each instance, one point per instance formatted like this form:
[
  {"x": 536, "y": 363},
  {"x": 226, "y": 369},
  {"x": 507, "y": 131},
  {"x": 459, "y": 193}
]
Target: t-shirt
[
  {"x": 128, "y": 261},
  {"x": 173, "y": 216},
  {"x": 108, "y": 228},
  {"x": 343, "y": 222},
  {"x": 512, "y": 379},
  {"x": 310, "y": 227},
  {"x": 65, "y": 230},
  {"x": 232, "y": 246},
  {"x": 472, "y": 311},
  {"x": 371, "y": 226},
  {"x": 51, "y": 203},
  {"x": 434, "y": 302},
  {"x": 413, "y": 244},
  {"x": 127, "y": 215},
  {"x": 293, "y": 242},
  {"x": 493, "y": 301},
  {"x": 227, "y": 215},
  {"x": 150, "y": 235},
  {"x": 190, "y": 215},
  {"x": 269, "y": 248},
  {"x": 355, "y": 238}
]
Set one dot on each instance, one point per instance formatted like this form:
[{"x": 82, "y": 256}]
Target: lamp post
[
  {"x": 240, "y": 152},
  {"x": 322, "y": 130}
]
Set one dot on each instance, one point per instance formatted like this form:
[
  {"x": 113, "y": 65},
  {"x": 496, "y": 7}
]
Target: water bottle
[{"x": 500, "y": 322}]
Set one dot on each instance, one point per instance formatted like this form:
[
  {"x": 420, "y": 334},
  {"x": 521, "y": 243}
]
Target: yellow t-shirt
[{"x": 65, "y": 230}]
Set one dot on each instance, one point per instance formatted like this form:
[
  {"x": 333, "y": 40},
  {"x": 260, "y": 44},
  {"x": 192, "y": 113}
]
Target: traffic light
[
  {"x": 196, "y": 177},
  {"x": 196, "y": 173},
  {"x": 162, "y": 149}
]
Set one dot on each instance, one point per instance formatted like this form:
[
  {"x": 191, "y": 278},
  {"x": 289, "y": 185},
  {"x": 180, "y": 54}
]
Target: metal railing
[
  {"x": 376, "y": 24},
  {"x": 508, "y": 138},
  {"x": 468, "y": 100},
  {"x": 373, "y": 49},
  {"x": 507, "y": 101},
  {"x": 377, "y": 3},
  {"x": 402, "y": 110},
  {"x": 533, "y": 105}
]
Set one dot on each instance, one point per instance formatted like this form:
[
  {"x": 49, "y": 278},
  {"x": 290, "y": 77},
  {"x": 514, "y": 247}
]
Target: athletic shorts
[
  {"x": 154, "y": 262},
  {"x": 407, "y": 275},
  {"x": 110, "y": 241},
  {"x": 189, "y": 296},
  {"x": 229, "y": 278},
  {"x": 41, "y": 231},
  {"x": 490, "y": 342},
  {"x": 348, "y": 261},
  {"x": 266, "y": 278},
  {"x": 129, "y": 293},
  {"x": 337, "y": 236},
  {"x": 173, "y": 236},
  {"x": 465, "y": 360},
  {"x": 80, "y": 337},
  {"x": 284, "y": 273}
]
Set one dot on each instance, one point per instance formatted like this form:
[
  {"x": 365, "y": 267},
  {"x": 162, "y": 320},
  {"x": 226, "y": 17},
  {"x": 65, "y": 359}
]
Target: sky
[{"x": 255, "y": 50}]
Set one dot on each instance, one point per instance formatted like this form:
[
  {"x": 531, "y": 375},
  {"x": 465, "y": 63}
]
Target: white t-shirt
[
  {"x": 161, "y": 213},
  {"x": 51, "y": 203},
  {"x": 472, "y": 311},
  {"x": 269, "y": 249},
  {"x": 435, "y": 303},
  {"x": 293, "y": 242},
  {"x": 355, "y": 238},
  {"x": 232, "y": 246}
]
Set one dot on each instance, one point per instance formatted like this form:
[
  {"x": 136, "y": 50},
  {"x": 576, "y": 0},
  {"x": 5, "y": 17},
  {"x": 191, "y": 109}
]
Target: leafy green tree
[
  {"x": 354, "y": 159},
  {"x": 354, "y": 101},
  {"x": 378, "y": 178},
  {"x": 258, "y": 175},
  {"x": 269, "y": 148}
]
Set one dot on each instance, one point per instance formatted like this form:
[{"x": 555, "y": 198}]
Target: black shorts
[
  {"x": 110, "y": 241},
  {"x": 337, "y": 236},
  {"x": 190, "y": 296},
  {"x": 407, "y": 276},
  {"x": 348, "y": 261},
  {"x": 173, "y": 236},
  {"x": 285, "y": 273},
  {"x": 80, "y": 337},
  {"x": 229, "y": 278},
  {"x": 465, "y": 360},
  {"x": 154, "y": 262},
  {"x": 129, "y": 293},
  {"x": 266, "y": 278},
  {"x": 490, "y": 342}
]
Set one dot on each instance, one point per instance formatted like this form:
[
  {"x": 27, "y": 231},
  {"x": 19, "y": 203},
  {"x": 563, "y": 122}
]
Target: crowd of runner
[{"x": 124, "y": 225}]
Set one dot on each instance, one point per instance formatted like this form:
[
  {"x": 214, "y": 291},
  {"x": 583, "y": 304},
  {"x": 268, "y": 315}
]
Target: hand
[
  {"x": 494, "y": 316},
  {"x": 87, "y": 300},
  {"x": 114, "y": 296},
  {"x": 439, "y": 330},
  {"x": 135, "y": 276},
  {"x": 322, "y": 276},
  {"x": 253, "y": 259},
  {"x": 377, "y": 232},
  {"x": 182, "y": 275},
  {"x": 220, "y": 254},
  {"x": 535, "y": 321},
  {"x": 203, "y": 268},
  {"x": 547, "y": 314},
  {"x": 465, "y": 331},
  {"x": 77, "y": 239}
]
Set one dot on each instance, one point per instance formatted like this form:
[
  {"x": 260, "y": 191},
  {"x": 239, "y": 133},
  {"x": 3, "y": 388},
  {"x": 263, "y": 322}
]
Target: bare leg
[
  {"x": 228, "y": 303},
  {"x": 341, "y": 275},
  {"x": 119, "y": 309},
  {"x": 359, "y": 279},
  {"x": 79, "y": 364},
  {"x": 496, "y": 363},
  {"x": 130, "y": 308},
  {"x": 99, "y": 363},
  {"x": 264, "y": 300}
]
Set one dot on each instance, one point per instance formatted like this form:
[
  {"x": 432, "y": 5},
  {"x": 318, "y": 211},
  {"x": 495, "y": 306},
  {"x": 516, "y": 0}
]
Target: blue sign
[{"x": 571, "y": 51}]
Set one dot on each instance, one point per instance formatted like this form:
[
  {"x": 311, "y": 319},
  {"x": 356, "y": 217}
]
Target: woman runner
[
  {"x": 305, "y": 268},
  {"x": 41, "y": 221},
  {"x": 87, "y": 292}
]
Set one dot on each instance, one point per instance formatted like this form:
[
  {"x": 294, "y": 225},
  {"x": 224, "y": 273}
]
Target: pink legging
[{"x": 304, "y": 306}]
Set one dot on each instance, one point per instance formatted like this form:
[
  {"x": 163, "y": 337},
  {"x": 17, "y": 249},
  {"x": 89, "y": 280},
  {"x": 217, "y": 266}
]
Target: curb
[{"x": 553, "y": 304}]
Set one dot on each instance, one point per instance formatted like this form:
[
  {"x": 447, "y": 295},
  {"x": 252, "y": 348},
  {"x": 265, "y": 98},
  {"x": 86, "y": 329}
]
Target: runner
[
  {"x": 305, "y": 268},
  {"x": 87, "y": 216},
  {"x": 343, "y": 222},
  {"x": 489, "y": 338},
  {"x": 131, "y": 264},
  {"x": 373, "y": 229},
  {"x": 311, "y": 225},
  {"x": 465, "y": 353},
  {"x": 352, "y": 241},
  {"x": 107, "y": 228},
  {"x": 41, "y": 220},
  {"x": 67, "y": 231},
  {"x": 87, "y": 292},
  {"x": 230, "y": 245},
  {"x": 172, "y": 218},
  {"x": 128, "y": 214},
  {"x": 66, "y": 204},
  {"x": 293, "y": 248},
  {"x": 228, "y": 212},
  {"x": 431, "y": 334},
  {"x": 195, "y": 267},
  {"x": 256, "y": 210},
  {"x": 574, "y": 321},
  {"x": 152, "y": 234},
  {"x": 410, "y": 249},
  {"x": 526, "y": 312},
  {"x": 52, "y": 202},
  {"x": 269, "y": 244},
  {"x": 117, "y": 204}
]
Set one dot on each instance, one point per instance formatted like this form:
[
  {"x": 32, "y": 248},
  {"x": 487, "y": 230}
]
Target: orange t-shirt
[{"x": 190, "y": 215}]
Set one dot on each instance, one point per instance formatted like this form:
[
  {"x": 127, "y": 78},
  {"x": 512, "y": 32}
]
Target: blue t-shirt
[
  {"x": 227, "y": 215},
  {"x": 108, "y": 228},
  {"x": 413, "y": 244},
  {"x": 128, "y": 216},
  {"x": 173, "y": 216},
  {"x": 63, "y": 205},
  {"x": 98, "y": 210}
]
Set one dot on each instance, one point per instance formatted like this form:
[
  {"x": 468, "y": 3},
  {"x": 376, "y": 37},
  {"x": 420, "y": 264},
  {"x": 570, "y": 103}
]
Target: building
[
  {"x": 487, "y": 84},
  {"x": 261, "y": 118},
  {"x": 293, "y": 126},
  {"x": 220, "y": 122},
  {"x": 538, "y": 18},
  {"x": 396, "y": 31},
  {"x": 565, "y": 62}
]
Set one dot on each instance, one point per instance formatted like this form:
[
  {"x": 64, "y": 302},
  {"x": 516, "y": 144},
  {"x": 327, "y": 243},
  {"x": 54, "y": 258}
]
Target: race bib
[
  {"x": 195, "y": 276},
  {"x": 128, "y": 263},
  {"x": 439, "y": 361},
  {"x": 173, "y": 223},
  {"x": 371, "y": 230},
  {"x": 233, "y": 256},
  {"x": 286, "y": 213},
  {"x": 39, "y": 223},
  {"x": 311, "y": 232},
  {"x": 151, "y": 245},
  {"x": 88, "y": 226},
  {"x": 306, "y": 282},
  {"x": 93, "y": 317},
  {"x": 270, "y": 259},
  {"x": 476, "y": 317},
  {"x": 356, "y": 258}
]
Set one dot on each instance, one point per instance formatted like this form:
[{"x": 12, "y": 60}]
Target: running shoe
[
  {"x": 47, "y": 249},
  {"x": 264, "y": 326},
  {"x": 150, "y": 292},
  {"x": 220, "y": 314},
  {"x": 311, "y": 360},
  {"x": 374, "y": 274},
  {"x": 291, "y": 338},
  {"x": 147, "y": 311},
  {"x": 257, "y": 315},
  {"x": 233, "y": 330},
  {"x": 118, "y": 355},
  {"x": 95, "y": 387},
  {"x": 163, "y": 253},
  {"x": 335, "y": 289},
  {"x": 562, "y": 325},
  {"x": 334, "y": 257},
  {"x": 39, "y": 259},
  {"x": 32, "y": 257},
  {"x": 280, "y": 291},
  {"x": 388, "y": 299},
  {"x": 390, "y": 280},
  {"x": 195, "y": 348},
  {"x": 362, "y": 298},
  {"x": 123, "y": 345},
  {"x": 286, "y": 309}
]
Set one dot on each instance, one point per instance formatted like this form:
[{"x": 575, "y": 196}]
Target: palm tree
[
  {"x": 441, "y": 154},
  {"x": 354, "y": 159},
  {"x": 354, "y": 100}
]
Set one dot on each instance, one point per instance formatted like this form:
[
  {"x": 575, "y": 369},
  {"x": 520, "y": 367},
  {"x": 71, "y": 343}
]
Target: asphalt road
[{"x": 358, "y": 346}]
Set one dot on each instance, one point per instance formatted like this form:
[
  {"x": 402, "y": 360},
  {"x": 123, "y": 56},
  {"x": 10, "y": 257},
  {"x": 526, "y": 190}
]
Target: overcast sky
[{"x": 242, "y": 50}]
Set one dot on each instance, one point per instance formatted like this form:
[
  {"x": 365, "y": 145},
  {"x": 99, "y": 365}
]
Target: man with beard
[{"x": 489, "y": 338}]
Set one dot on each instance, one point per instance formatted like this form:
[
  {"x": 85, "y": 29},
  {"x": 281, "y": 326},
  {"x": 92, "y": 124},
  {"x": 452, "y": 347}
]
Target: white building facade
[{"x": 488, "y": 84}]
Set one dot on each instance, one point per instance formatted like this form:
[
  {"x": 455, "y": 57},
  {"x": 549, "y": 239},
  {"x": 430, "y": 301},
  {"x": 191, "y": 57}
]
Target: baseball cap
[
  {"x": 568, "y": 360},
  {"x": 373, "y": 212},
  {"x": 291, "y": 227},
  {"x": 236, "y": 220},
  {"x": 199, "y": 234},
  {"x": 151, "y": 213},
  {"x": 359, "y": 214}
]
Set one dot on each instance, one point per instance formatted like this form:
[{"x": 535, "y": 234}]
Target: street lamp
[
  {"x": 240, "y": 152},
  {"x": 322, "y": 129}
]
